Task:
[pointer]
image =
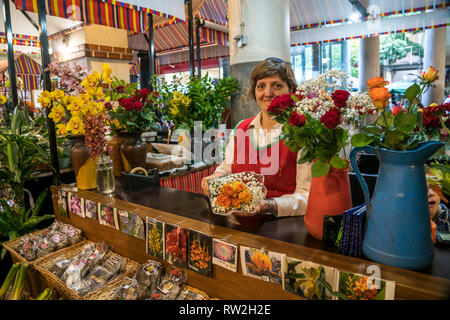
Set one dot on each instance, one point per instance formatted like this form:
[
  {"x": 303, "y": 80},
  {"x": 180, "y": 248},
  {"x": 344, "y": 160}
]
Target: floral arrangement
[
  {"x": 238, "y": 191},
  {"x": 319, "y": 119},
  {"x": 130, "y": 108},
  {"x": 400, "y": 128},
  {"x": 199, "y": 255},
  {"x": 179, "y": 110}
]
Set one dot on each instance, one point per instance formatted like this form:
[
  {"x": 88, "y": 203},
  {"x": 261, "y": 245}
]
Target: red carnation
[
  {"x": 297, "y": 120},
  {"x": 280, "y": 104},
  {"x": 138, "y": 105},
  {"x": 143, "y": 93},
  {"x": 340, "y": 98},
  {"x": 120, "y": 89},
  {"x": 331, "y": 118}
]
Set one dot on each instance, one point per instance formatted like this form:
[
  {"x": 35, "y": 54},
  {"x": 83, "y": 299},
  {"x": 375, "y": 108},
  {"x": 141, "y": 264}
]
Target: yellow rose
[
  {"x": 61, "y": 129},
  {"x": 376, "y": 82},
  {"x": 45, "y": 99},
  {"x": 57, "y": 113},
  {"x": 3, "y": 99},
  {"x": 431, "y": 74},
  {"x": 380, "y": 97},
  {"x": 57, "y": 94},
  {"x": 75, "y": 125}
]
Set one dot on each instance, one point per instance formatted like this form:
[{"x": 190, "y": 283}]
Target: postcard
[
  {"x": 91, "y": 209},
  {"x": 360, "y": 287},
  {"x": 199, "y": 253},
  {"x": 263, "y": 265},
  {"x": 309, "y": 280},
  {"x": 176, "y": 245},
  {"x": 155, "y": 238},
  {"x": 62, "y": 203},
  {"x": 131, "y": 224},
  {"x": 108, "y": 216},
  {"x": 76, "y": 204},
  {"x": 225, "y": 254}
]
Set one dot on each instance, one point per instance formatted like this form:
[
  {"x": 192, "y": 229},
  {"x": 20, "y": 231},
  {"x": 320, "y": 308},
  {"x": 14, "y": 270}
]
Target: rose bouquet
[
  {"x": 320, "y": 118},
  {"x": 238, "y": 191},
  {"x": 132, "y": 109},
  {"x": 404, "y": 127}
]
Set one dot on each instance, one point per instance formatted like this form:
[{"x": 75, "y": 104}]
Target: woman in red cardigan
[{"x": 255, "y": 145}]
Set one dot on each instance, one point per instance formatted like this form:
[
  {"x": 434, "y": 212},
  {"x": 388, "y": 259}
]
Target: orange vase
[{"x": 328, "y": 195}]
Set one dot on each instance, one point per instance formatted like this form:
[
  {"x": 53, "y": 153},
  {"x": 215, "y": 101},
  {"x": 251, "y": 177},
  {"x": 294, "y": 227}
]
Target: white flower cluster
[{"x": 253, "y": 181}]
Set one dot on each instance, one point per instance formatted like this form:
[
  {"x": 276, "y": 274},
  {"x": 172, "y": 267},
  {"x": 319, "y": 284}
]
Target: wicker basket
[
  {"x": 11, "y": 246},
  {"x": 44, "y": 265},
  {"x": 197, "y": 291}
]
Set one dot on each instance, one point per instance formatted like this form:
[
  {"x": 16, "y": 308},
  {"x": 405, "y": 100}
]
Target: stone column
[
  {"x": 369, "y": 60},
  {"x": 434, "y": 55},
  {"x": 316, "y": 59},
  {"x": 265, "y": 27}
]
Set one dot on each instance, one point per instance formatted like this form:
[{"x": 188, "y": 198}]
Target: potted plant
[
  {"x": 132, "y": 111},
  {"x": 318, "y": 120},
  {"x": 398, "y": 228}
]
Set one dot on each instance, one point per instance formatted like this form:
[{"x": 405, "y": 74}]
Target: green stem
[{"x": 107, "y": 172}]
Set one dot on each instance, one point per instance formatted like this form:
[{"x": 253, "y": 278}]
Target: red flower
[
  {"x": 297, "y": 120},
  {"x": 155, "y": 94},
  {"x": 120, "y": 89},
  {"x": 108, "y": 106},
  {"x": 138, "y": 106},
  {"x": 397, "y": 109},
  {"x": 331, "y": 118},
  {"x": 280, "y": 104},
  {"x": 143, "y": 93},
  {"x": 340, "y": 98},
  {"x": 298, "y": 95}
]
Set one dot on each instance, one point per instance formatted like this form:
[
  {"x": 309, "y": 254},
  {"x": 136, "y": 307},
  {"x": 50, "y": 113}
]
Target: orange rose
[
  {"x": 380, "y": 97},
  {"x": 235, "y": 202},
  {"x": 245, "y": 196},
  {"x": 228, "y": 189},
  {"x": 376, "y": 82},
  {"x": 238, "y": 187},
  {"x": 223, "y": 200},
  {"x": 430, "y": 75}
]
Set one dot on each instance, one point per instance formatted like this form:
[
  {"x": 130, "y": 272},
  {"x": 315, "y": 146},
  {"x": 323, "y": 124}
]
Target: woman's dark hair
[{"x": 271, "y": 67}]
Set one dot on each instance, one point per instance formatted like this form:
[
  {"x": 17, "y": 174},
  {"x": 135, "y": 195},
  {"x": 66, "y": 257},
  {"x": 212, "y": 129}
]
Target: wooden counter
[{"x": 284, "y": 235}]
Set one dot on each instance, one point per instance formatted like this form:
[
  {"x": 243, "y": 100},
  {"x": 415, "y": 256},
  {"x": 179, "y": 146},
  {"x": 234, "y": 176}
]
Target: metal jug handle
[{"x": 360, "y": 178}]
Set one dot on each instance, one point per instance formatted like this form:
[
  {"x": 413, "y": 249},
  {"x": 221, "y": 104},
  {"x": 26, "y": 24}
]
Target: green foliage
[
  {"x": 21, "y": 150},
  {"x": 16, "y": 221},
  {"x": 396, "y": 46},
  {"x": 441, "y": 173}
]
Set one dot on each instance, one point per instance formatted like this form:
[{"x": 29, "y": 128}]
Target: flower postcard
[
  {"x": 225, "y": 254},
  {"x": 360, "y": 287},
  {"x": 199, "y": 253},
  {"x": 76, "y": 204},
  {"x": 263, "y": 265},
  {"x": 176, "y": 245},
  {"x": 91, "y": 209},
  {"x": 155, "y": 238},
  {"x": 107, "y": 216},
  {"x": 62, "y": 203},
  {"x": 131, "y": 224},
  {"x": 309, "y": 280}
]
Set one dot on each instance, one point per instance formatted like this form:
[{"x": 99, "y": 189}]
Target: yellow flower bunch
[
  {"x": 68, "y": 111},
  {"x": 3, "y": 99},
  {"x": 178, "y": 103}
]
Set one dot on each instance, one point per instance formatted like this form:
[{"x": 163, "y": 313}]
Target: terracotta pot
[
  {"x": 329, "y": 195},
  {"x": 83, "y": 165},
  {"x": 116, "y": 142},
  {"x": 133, "y": 151}
]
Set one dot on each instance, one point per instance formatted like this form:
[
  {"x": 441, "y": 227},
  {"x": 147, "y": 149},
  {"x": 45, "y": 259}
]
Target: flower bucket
[{"x": 328, "y": 195}]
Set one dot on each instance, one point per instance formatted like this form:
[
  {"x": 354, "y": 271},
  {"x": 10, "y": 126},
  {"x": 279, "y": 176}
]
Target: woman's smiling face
[
  {"x": 433, "y": 202},
  {"x": 268, "y": 88}
]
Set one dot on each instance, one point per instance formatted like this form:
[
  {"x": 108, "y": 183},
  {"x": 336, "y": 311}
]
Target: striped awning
[
  {"x": 27, "y": 69},
  {"x": 109, "y": 13},
  {"x": 135, "y": 69},
  {"x": 214, "y": 11}
]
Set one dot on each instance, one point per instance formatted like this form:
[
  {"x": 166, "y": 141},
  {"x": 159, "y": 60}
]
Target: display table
[{"x": 284, "y": 235}]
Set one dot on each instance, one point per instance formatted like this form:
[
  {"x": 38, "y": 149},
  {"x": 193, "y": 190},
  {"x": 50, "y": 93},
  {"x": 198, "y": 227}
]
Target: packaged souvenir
[
  {"x": 237, "y": 191},
  {"x": 171, "y": 284},
  {"x": 148, "y": 277},
  {"x": 44, "y": 247},
  {"x": 57, "y": 240},
  {"x": 157, "y": 295},
  {"x": 60, "y": 266},
  {"x": 128, "y": 290},
  {"x": 73, "y": 234},
  {"x": 28, "y": 248},
  {"x": 98, "y": 277},
  {"x": 56, "y": 225},
  {"x": 186, "y": 294},
  {"x": 82, "y": 263},
  {"x": 113, "y": 263}
]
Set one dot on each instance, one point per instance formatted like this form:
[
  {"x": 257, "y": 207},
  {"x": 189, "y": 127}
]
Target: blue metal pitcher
[{"x": 398, "y": 230}]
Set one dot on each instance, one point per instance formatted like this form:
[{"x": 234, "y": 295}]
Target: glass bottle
[{"x": 105, "y": 177}]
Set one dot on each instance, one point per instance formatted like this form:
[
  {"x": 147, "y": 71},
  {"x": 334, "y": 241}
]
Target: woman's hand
[
  {"x": 204, "y": 183},
  {"x": 261, "y": 207}
]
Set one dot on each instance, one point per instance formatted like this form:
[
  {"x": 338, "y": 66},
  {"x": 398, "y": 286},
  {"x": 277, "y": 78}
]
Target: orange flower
[
  {"x": 380, "y": 97},
  {"x": 376, "y": 82},
  {"x": 235, "y": 202},
  {"x": 238, "y": 187},
  {"x": 228, "y": 189},
  {"x": 431, "y": 74},
  {"x": 245, "y": 196},
  {"x": 223, "y": 200},
  {"x": 260, "y": 260}
]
